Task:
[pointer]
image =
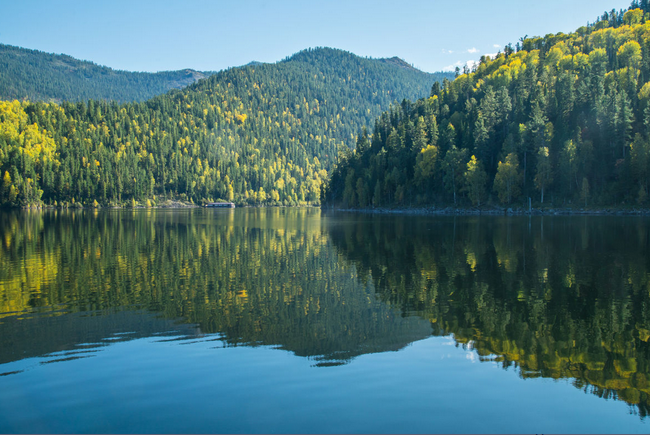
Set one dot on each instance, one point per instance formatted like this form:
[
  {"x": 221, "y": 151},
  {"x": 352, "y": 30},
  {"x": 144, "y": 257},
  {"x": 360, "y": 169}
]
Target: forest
[
  {"x": 259, "y": 134},
  {"x": 33, "y": 75},
  {"x": 562, "y": 120}
]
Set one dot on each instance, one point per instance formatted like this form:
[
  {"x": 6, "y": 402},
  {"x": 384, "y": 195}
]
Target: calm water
[{"x": 284, "y": 320}]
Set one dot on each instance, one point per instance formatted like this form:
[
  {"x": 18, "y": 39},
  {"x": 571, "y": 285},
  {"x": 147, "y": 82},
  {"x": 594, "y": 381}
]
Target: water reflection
[
  {"x": 554, "y": 297},
  {"x": 258, "y": 277}
]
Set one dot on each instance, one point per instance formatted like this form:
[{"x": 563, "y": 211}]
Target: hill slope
[
  {"x": 38, "y": 76},
  {"x": 256, "y": 134},
  {"x": 562, "y": 119}
]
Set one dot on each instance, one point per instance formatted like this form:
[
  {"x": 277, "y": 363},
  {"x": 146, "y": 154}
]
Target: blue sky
[{"x": 158, "y": 35}]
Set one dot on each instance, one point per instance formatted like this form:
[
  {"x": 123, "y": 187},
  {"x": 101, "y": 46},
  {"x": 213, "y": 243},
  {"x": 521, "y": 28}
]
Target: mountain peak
[
  {"x": 398, "y": 62},
  {"x": 319, "y": 54}
]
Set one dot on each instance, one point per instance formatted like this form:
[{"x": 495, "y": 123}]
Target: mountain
[
  {"x": 37, "y": 76},
  {"x": 398, "y": 62},
  {"x": 262, "y": 133},
  {"x": 562, "y": 119}
]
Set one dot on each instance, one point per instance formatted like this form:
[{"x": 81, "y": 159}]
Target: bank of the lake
[
  {"x": 416, "y": 211},
  {"x": 170, "y": 203},
  {"x": 497, "y": 211}
]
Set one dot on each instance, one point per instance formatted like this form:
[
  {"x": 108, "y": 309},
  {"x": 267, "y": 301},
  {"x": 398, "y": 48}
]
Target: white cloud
[
  {"x": 496, "y": 46},
  {"x": 453, "y": 66},
  {"x": 470, "y": 64},
  {"x": 445, "y": 51},
  {"x": 473, "y": 50}
]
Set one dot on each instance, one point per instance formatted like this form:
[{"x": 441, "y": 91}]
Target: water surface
[{"x": 289, "y": 320}]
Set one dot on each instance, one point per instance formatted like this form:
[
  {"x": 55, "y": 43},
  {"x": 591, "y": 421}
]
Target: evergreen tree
[
  {"x": 544, "y": 175},
  {"x": 453, "y": 167}
]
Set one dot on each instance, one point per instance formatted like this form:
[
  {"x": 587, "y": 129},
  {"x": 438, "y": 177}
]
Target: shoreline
[
  {"x": 496, "y": 211},
  {"x": 416, "y": 211},
  {"x": 77, "y": 206},
  {"x": 170, "y": 204}
]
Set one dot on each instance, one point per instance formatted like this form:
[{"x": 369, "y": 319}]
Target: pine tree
[
  {"x": 453, "y": 167},
  {"x": 544, "y": 175}
]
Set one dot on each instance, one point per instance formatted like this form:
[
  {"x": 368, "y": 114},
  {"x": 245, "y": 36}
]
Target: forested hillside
[
  {"x": 264, "y": 133},
  {"x": 563, "y": 119},
  {"x": 37, "y": 76}
]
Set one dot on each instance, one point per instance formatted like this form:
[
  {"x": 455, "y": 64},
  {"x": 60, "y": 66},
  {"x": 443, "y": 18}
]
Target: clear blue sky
[{"x": 157, "y": 35}]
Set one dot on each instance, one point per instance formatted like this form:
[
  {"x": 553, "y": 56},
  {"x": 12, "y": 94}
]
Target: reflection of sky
[
  {"x": 88, "y": 350},
  {"x": 60, "y": 334},
  {"x": 176, "y": 384}
]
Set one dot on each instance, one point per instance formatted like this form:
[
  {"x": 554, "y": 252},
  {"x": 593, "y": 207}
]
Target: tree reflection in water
[{"x": 560, "y": 297}]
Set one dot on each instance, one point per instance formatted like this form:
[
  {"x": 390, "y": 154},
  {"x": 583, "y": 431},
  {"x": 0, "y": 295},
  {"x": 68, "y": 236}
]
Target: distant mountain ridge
[
  {"x": 38, "y": 76},
  {"x": 34, "y": 75}
]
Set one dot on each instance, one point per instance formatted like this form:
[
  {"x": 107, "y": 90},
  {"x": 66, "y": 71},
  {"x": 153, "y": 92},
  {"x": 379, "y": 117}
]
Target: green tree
[
  {"x": 475, "y": 179},
  {"x": 640, "y": 161},
  {"x": 584, "y": 190},
  {"x": 569, "y": 164},
  {"x": 425, "y": 167},
  {"x": 544, "y": 175},
  {"x": 6, "y": 187},
  {"x": 362, "y": 142},
  {"x": 376, "y": 197},
  {"x": 420, "y": 135},
  {"x": 507, "y": 182},
  {"x": 261, "y": 195},
  {"x": 450, "y": 137},
  {"x": 453, "y": 168},
  {"x": 629, "y": 54},
  {"x": 362, "y": 192},
  {"x": 349, "y": 194}
]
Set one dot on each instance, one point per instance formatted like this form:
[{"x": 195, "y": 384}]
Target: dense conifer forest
[
  {"x": 33, "y": 75},
  {"x": 259, "y": 134},
  {"x": 562, "y": 119}
]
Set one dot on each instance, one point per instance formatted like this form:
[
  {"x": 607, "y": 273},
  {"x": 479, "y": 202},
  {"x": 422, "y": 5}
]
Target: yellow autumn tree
[
  {"x": 28, "y": 147},
  {"x": 475, "y": 179},
  {"x": 508, "y": 179}
]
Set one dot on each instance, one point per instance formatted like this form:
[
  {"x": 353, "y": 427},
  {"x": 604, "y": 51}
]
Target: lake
[{"x": 302, "y": 320}]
